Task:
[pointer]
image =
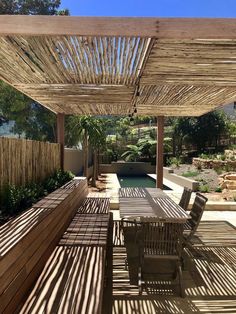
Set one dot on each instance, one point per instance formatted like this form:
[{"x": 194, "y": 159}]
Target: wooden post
[
  {"x": 159, "y": 155},
  {"x": 61, "y": 135}
]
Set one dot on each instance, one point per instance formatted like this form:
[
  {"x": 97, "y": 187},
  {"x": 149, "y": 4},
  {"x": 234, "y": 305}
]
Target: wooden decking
[
  {"x": 209, "y": 278},
  {"x": 72, "y": 280}
]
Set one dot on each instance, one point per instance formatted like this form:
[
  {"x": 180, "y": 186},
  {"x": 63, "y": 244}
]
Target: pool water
[{"x": 138, "y": 181}]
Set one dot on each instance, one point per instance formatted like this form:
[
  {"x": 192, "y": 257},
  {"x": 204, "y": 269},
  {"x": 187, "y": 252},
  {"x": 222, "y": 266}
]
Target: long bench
[
  {"x": 27, "y": 241},
  {"x": 72, "y": 280}
]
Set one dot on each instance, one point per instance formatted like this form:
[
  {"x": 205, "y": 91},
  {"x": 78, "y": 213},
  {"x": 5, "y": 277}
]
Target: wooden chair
[
  {"x": 130, "y": 227},
  {"x": 160, "y": 252},
  {"x": 185, "y": 198},
  {"x": 196, "y": 215}
]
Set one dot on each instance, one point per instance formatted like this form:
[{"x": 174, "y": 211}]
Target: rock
[
  {"x": 230, "y": 176},
  {"x": 231, "y": 187},
  {"x": 225, "y": 184},
  {"x": 230, "y": 182}
]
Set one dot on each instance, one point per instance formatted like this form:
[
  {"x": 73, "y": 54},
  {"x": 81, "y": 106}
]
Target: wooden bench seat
[
  {"x": 95, "y": 205},
  {"x": 72, "y": 280},
  {"x": 28, "y": 240},
  {"x": 87, "y": 229}
]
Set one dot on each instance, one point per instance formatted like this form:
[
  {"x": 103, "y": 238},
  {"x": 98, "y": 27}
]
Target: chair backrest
[
  {"x": 185, "y": 198},
  {"x": 197, "y": 212},
  {"x": 129, "y": 227},
  {"x": 160, "y": 238}
]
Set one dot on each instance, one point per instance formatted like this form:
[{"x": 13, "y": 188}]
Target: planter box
[{"x": 28, "y": 240}]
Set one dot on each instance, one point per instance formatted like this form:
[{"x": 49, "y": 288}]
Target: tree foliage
[
  {"x": 201, "y": 132},
  {"x": 31, "y": 7},
  {"x": 31, "y": 119}
]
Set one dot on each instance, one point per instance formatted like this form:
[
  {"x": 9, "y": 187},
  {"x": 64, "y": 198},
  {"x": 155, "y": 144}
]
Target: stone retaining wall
[
  {"x": 213, "y": 163},
  {"x": 228, "y": 181}
]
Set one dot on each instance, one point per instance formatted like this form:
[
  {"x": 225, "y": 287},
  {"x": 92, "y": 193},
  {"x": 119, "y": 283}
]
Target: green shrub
[
  {"x": 189, "y": 174},
  {"x": 204, "y": 188},
  {"x": 218, "y": 189},
  {"x": 207, "y": 156},
  {"x": 10, "y": 199},
  {"x": 219, "y": 170},
  {"x": 204, "y": 156},
  {"x": 228, "y": 168},
  {"x": 58, "y": 179},
  {"x": 222, "y": 157},
  {"x": 14, "y": 199},
  {"x": 174, "y": 161}
]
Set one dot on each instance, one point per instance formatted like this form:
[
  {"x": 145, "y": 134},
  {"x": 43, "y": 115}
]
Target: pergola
[{"x": 118, "y": 66}]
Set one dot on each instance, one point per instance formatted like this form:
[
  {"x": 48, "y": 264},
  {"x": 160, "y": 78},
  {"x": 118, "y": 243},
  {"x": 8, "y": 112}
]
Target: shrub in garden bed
[{"x": 14, "y": 199}]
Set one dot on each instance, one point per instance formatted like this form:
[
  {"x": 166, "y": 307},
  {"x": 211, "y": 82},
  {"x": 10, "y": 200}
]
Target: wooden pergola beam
[
  {"x": 177, "y": 28},
  {"x": 159, "y": 153},
  {"x": 61, "y": 135}
]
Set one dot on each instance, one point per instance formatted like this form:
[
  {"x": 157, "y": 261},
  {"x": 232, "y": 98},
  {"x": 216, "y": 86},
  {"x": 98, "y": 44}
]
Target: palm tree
[
  {"x": 91, "y": 132},
  {"x": 97, "y": 139}
]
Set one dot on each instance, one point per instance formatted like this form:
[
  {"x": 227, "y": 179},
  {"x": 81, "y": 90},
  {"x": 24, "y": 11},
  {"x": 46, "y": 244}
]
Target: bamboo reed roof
[{"x": 103, "y": 66}]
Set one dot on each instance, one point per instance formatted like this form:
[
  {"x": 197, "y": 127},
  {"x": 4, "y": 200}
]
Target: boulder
[
  {"x": 231, "y": 177},
  {"x": 230, "y": 182},
  {"x": 225, "y": 184},
  {"x": 231, "y": 187}
]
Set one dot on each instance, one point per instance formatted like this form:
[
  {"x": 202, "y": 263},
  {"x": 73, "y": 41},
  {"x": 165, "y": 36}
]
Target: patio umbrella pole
[
  {"x": 159, "y": 154},
  {"x": 61, "y": 135}
]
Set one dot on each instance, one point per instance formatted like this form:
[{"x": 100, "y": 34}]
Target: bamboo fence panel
[{"x": 24, "y": 161}]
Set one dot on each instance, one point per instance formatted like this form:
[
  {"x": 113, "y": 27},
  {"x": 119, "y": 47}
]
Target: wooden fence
[{"x": 23, "y": 161}]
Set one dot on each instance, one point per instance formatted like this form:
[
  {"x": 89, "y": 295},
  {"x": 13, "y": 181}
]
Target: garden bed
[
  {"x": 209, "y": 182},
  {"x": 14, "y": 199}
]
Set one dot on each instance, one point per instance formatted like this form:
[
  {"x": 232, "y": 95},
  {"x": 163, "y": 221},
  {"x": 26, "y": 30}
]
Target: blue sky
[{"x": 160, "y": 8}]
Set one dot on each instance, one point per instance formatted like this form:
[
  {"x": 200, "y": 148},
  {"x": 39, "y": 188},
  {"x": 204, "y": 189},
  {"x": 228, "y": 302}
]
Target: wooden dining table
[{"x": 150, "y": 202}]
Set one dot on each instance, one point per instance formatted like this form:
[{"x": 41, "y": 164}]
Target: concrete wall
[
  {"x": 131, "y": 168},
  {"x": 182, "y": 181},
  {"x": 74, "y": 161}
]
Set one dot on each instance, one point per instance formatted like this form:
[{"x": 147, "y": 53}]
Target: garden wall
[
  {"x": 128, "y": 168},
  {"x": 213, "y": 163},
  {"x": 23, "y": 161},
  {"x": 73, "y": 161}
]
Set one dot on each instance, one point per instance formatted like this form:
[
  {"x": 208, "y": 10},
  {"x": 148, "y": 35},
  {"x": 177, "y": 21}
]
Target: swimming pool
[{"x": 138, "y": 181}]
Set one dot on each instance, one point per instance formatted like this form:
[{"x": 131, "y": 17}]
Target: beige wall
[
  {"x": 131, "y": 168},
  {"x": 74, "y": 161}
]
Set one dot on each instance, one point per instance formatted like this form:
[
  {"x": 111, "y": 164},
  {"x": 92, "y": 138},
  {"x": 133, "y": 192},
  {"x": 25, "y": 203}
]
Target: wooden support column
[
  {"x": 159, "y": 155},
  {"x": 61, "y": 135}
]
